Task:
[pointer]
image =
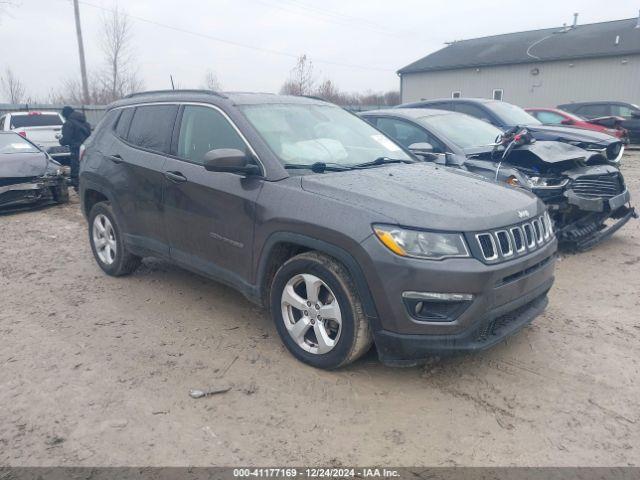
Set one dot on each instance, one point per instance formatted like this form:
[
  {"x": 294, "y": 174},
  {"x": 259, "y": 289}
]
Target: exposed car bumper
[
  {"x": 404, "y": 337},
  {"x": 588, "y": 232},
  {"x": 33, "y": 192}
]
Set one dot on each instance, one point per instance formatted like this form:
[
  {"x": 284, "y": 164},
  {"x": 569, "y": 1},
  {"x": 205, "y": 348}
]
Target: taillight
[
  {"x": 81, "y": 152},
  {"x": 23, "y": 134}
]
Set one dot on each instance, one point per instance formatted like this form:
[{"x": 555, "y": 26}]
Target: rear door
[
  {"x": 209, "y": 216},
  {"x": 135, "y": 163}
]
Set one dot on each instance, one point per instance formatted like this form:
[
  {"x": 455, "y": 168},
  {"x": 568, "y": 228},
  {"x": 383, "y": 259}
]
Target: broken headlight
[
  {"x": 542, "y": 182},
  {"x": 421, "y": 244}
]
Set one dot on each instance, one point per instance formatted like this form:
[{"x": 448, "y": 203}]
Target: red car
[{"x": 554, "y": 116}]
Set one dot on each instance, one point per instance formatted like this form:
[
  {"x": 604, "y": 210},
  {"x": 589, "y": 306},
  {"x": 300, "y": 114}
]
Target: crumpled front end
[
  {"x": 22, "y": 192},
  {"x": 594, "y": 204}
]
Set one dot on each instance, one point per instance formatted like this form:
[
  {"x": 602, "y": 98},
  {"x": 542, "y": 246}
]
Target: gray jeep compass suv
[{"x": 312, "y": 212}]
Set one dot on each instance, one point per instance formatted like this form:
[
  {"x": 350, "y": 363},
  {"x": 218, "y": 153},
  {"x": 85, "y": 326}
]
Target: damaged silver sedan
[{"x": 29, "y": 177}]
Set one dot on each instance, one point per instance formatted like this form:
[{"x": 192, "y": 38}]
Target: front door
[{"x": 209, "y": 216}]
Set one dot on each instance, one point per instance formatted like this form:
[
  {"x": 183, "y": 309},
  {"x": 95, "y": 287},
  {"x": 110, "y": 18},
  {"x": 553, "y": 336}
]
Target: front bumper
[
  {"x": 396, "y": 349},
  {"x": 402, "y": 337}
]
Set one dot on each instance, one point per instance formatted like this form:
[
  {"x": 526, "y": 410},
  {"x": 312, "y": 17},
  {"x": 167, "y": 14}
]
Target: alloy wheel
[
  {"x": 104, "y": 239},
  {"x": 311, "y": 313}
]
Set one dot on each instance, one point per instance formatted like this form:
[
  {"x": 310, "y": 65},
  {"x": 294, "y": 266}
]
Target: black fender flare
[{"x": 336, "y": 252}]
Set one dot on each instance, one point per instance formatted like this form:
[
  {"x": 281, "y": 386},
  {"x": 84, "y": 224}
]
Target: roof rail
[{"x": 151, "y": 92}]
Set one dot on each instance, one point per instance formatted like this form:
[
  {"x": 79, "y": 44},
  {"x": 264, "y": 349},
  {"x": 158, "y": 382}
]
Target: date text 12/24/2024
[{"x": 315, "y": 472}]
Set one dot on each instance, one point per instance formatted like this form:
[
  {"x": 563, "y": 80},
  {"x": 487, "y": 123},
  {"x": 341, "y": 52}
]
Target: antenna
[
  {"x": 173, "y": 87},
  {"x": 575, "y": 20}
]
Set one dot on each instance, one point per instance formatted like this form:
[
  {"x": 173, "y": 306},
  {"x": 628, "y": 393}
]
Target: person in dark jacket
[{"x": 75, "y": 130}]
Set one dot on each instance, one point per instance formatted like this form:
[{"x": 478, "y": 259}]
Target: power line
[
  {"x": 333, "y": 13},
  {"x": 232, "y": 42},
  {"x": 304, "y": 10}
]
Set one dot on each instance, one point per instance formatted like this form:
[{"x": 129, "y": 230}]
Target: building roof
[{"x": 559, "y": 43}]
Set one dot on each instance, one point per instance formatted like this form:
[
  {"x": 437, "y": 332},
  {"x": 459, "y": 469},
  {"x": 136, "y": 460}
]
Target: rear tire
[
  {"x": 318, "y": 313},
  {"x": 107, "y": 244}
]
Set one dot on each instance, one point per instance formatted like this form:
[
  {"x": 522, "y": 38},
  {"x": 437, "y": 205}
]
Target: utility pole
[{"x": 83, "y": 67}]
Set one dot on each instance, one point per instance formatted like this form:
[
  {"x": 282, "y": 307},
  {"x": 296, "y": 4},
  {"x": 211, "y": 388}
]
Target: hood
[
  {"x": 22, "y": 165},
  {"x": 569, "y": 134},
  {"x": 424, "y": 195}
]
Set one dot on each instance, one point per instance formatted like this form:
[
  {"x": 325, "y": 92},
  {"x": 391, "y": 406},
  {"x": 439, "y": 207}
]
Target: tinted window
[
  {"x": 511, "y": 114},
  {"x": 35, "y": 120},
  {"x": 592, "y": 111},
  {"x": 203, "y": 129},
  {"x": 622, "y": 110},
  {"x": 407, "y": 134},
  {"x": 471, "y": 109},
  {"x": 440, "y": 105},
  {"x": 152, "y": 126},
  {"x": 124, "y": 121},
  {"x": 550, "y": 118}
]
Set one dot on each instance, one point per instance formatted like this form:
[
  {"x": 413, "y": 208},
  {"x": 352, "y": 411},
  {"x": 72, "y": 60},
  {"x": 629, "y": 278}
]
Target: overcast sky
[{"x": 357, "y": 44}]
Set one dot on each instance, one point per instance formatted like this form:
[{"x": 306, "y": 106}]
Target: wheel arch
[{"x": 281, "y": 246}]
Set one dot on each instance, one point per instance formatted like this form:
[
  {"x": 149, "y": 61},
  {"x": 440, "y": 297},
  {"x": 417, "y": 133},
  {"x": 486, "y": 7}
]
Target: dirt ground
[{"x": 96, "y": 371}]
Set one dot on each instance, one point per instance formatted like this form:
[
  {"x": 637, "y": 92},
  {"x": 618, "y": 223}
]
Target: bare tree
[
  {"x": 302, "y": 78},
  {"x": 211, "y": 82},
  {"x": 329, "y": 91},
  {"x": 119, "y": 77},
  {"x": 12, "y": 87}
]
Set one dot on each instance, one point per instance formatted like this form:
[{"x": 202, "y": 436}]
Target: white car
[{"x": 41, "y": 128}]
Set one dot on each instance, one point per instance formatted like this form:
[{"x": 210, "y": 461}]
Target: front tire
[
  {"x": 61, "y": 193},
  {"x": 107, "y": 244},
  {"x": 318, "y": 313}
]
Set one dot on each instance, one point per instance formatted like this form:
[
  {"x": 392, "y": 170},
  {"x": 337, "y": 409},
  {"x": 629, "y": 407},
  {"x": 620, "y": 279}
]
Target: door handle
[
  {"x": 175, "y": 177},
  {"x": 115, "y": 158}
]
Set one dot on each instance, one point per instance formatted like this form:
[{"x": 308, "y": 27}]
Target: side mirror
[
  {"x": 635, "y": 113},
  {"x": 567, "y": 121},
  {"x": 422, "y": 148},
  {"x": 230, "y": 160}
]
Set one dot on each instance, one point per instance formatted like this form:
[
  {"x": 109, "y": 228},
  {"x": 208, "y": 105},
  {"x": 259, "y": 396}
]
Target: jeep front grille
[
  {"x": 598, "y": 186},
  {"x": 505, "y": 243}
]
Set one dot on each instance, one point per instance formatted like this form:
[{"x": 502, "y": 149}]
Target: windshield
[
  {"x": 14, "y": 143},
  {"x": 463, "y": 130},
  {"x": 36, "y": 120},
  {"x": 304, "y": 134},
  {"x": 512, "y": 115}
]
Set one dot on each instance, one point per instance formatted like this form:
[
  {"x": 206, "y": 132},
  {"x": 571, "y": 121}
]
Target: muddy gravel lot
[{"x": 96, "y": 371}]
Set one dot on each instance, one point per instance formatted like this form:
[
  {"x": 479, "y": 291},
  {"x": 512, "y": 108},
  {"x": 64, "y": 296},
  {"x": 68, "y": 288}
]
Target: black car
[
  {"x": 507, "y": 116},
  {"x": 28, "y": 176},
  {"x": 629, "y": 111},
  {"x": 581, "y": 189}
]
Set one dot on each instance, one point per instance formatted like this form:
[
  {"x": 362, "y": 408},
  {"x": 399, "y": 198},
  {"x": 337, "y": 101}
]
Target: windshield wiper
[
  {"x": 382, "y": 161},
  {"x": 317, "y": 167}
]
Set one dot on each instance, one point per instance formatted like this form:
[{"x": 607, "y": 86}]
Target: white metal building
[{"x": 599, "y": 61}]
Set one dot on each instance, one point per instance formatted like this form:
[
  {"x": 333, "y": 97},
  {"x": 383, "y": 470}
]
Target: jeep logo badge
[{"x": 523, "y": 213}]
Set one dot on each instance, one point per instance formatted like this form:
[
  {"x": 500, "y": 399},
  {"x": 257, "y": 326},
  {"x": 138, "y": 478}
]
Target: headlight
[
  {"x": 541, "y": 182},
  {"x": 421, "y": 244}
]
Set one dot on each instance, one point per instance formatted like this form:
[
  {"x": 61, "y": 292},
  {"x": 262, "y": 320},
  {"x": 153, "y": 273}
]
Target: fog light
[
  {"x": 442, "y": 297},
  {"x": 436, "y": 307}
]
